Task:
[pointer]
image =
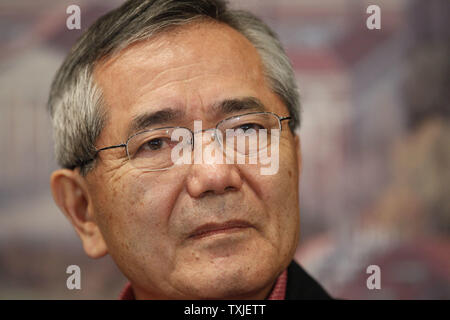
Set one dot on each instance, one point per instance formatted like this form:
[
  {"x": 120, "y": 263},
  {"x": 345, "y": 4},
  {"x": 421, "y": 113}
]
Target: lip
[{"x": 210, "y": 229}]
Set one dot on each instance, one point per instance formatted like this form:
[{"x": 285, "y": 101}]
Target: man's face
[{"x": 147, "y": 219}]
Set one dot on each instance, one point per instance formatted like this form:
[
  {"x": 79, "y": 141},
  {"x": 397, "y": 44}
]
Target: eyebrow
[
  {"x": 165, "y": 116},
  {"x": 150, "y": 119},
  {"x": 230, "y": 106}
]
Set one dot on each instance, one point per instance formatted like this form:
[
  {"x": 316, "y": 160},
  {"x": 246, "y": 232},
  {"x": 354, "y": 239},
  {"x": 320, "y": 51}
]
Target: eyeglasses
[{"x": 151, "y": 150}]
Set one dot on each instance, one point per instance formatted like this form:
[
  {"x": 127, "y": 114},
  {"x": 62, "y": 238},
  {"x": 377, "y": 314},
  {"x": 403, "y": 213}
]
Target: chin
[{"x": 227, "y": 278}]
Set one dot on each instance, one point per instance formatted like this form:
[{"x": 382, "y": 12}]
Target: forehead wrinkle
[
  {"x": 184, "y": 76},
  {"x": 169, "y": 83}
]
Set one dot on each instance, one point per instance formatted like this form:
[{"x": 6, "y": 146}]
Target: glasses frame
[{"x": 125, "y": 144}]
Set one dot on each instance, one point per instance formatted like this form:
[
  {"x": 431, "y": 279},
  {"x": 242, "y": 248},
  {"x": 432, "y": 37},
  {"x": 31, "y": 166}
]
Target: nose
[{"x": 211, "y": 178}]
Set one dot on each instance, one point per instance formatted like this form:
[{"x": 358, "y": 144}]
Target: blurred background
[{"x": 375, "y": 139}]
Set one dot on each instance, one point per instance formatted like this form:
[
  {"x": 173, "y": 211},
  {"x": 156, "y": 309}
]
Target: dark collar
[{"x": 301, "y": 286}]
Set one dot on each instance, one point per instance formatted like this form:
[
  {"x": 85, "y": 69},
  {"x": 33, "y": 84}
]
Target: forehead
[{"x": 189, "y": 68}]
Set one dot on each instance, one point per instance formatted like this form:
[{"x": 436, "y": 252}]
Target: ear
[{"x": 71, "y": 194}]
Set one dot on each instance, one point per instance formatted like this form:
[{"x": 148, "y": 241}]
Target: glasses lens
[
  {"x": 152, "y": 150},
  {"x": 248, "y": 134}
]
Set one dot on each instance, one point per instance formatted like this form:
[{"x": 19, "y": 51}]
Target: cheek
[
  {"x": 134, "y": 212},
  {"x": 280, "y": 188},
  {"x": 133, "y": 217},
  {"x": 282, "y": 198},
  {"x": 279, "y": 194}
]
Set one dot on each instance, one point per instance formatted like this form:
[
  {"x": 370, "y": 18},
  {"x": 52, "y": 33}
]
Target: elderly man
[{"x": 181, "y": 230}]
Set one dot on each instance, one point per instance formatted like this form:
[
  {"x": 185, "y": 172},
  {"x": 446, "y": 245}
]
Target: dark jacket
[{"x": 301, "y": 286}]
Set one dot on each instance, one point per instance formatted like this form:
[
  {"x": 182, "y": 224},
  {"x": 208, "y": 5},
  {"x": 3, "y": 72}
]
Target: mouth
[{"x": 211, "y": 229}]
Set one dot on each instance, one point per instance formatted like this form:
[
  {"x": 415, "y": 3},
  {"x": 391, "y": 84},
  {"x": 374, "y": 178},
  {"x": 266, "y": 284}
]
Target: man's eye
[
  {"x": 248, "y": 126},
  {"x": 154, "y": 144}
]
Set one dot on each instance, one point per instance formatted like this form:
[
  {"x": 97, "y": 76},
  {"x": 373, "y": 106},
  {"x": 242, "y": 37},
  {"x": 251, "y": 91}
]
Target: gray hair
[{"x": 75, "y": 101}]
